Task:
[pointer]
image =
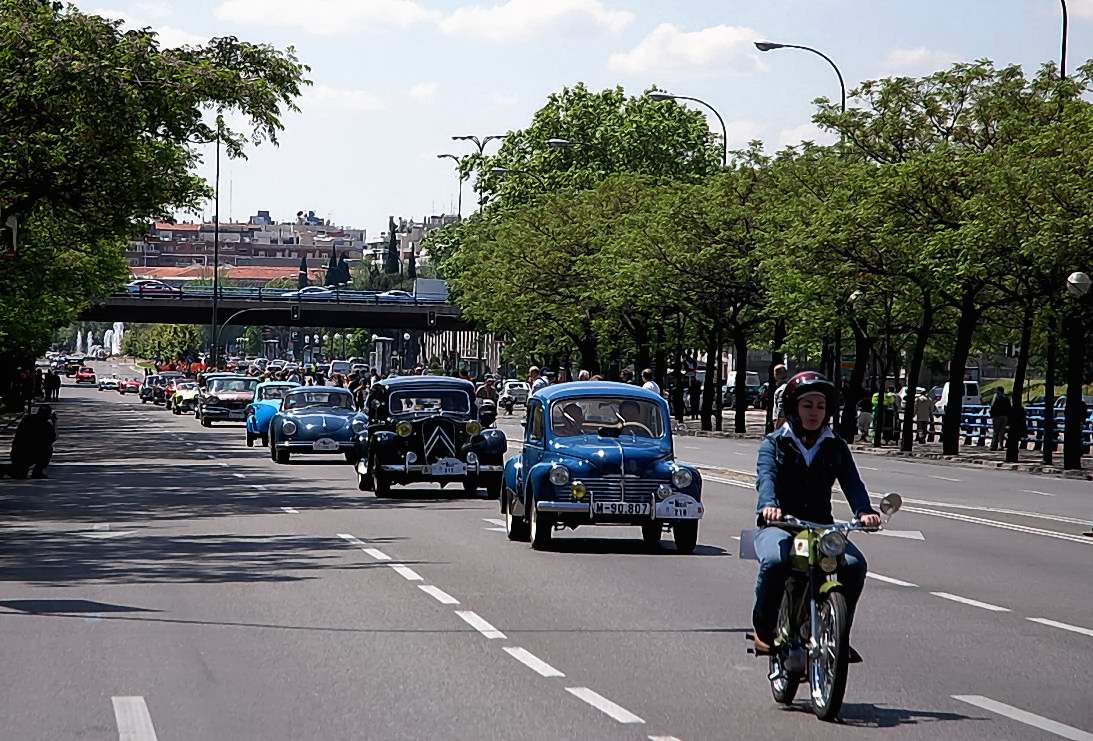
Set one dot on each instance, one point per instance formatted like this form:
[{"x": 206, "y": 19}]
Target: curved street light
[
  {"x": 724, "y": 130},
  {"x": 1062, "y": 58},
  {"x": 459, "y": 172},
  {"x": 770, "y": 46}
]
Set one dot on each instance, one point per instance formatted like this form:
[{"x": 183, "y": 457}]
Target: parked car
[
  {"x": 429, "y": 428},
  {"x": 265, "y": 403},
  {"x": 144, "y": 286},
  {"x": 129, "y": 386},
  {"x": 752, "y": 385},
  {"x": 224, "y": 399},
  {"x": 316, "y": 419},
  {"x": 185, "y": 397},
  {"x": 971, "y": 396},
  {"x": 108, "y": 383},
  {"x": 85, "y": 374},
  {"x": 600, "y": 453}
]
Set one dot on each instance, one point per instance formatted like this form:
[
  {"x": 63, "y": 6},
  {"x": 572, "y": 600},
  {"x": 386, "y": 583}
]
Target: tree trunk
[
  {"x": 922, "y": 335},
  {"x": 880, "y": 409},
  {"x": 1073, "y": 445},
  {"x": 825, "y": 357},
  {"x": 719, "y": 384},
  {"x": 854, "y": 388},
  {"x": 641, "y": 345},
  {"x": 589, "y": 350},
  {"x": 708, "y": 383},
  {"x": 1017, "y": 408},
  {"x": 740, "y": 392},
  {"x": 776, "y": 357},
  {"x": 1049, "y": 387},
  {"x": 965, "y": 332}
]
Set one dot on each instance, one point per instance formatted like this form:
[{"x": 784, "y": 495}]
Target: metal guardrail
[
  {"x": 278, "y": 295},
  {"x": 976, "y": 428}
]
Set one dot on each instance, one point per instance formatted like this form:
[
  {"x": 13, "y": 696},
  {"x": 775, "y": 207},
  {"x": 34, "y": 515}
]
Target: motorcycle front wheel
[
  {"x": 783, "y": 686},
  {"x": 827, "y": 673}
]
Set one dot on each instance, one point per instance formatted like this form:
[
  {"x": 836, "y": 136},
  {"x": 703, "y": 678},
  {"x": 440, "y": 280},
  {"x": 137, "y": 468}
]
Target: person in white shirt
[{"x": 648, "y": 383}]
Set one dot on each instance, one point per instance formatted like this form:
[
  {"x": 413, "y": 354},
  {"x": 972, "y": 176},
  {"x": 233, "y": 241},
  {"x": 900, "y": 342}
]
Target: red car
[
  {"x": 85, "y": 375},
  {"x": 128, "y": 386}
]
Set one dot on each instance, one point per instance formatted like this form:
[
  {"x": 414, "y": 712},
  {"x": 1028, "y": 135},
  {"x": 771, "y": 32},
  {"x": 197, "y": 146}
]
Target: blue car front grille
[{"x": 614, "y": 489}]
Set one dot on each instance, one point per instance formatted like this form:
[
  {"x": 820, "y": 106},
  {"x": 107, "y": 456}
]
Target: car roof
[
  {"x": 399, "y": 383},
  {"x": 290, "y": 384},
  {"x": 595, "y": 388},
  {"x": 323, "y": 389}
]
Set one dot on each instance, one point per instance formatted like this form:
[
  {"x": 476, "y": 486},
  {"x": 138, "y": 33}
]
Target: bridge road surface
[{"x": 168, "y": 582}]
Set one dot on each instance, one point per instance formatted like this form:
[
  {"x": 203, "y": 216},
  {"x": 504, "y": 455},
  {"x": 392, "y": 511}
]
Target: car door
[{"x": 534, "y": 443}]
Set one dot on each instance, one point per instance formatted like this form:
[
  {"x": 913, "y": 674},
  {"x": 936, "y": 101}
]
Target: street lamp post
[
  {"x": 340, "y": 341},
  {"x": 770, "y": 46},
  {"x": 724, "y": 130},
  {"x": 216, "y": 247},
  {"x": 1062, "y": 57},
  {"x": 480, "y": 143},
  {"x": 1076, "y": 413},
  {"x": 459, "y": 171}
]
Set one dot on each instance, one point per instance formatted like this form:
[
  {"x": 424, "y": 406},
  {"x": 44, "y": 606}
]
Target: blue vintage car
[
  {"x": 599, "y": 453},
  {"x": 316, "y": 419},
  {"x": 266, "y": 403},
  {"x": 430, "y": 428}
]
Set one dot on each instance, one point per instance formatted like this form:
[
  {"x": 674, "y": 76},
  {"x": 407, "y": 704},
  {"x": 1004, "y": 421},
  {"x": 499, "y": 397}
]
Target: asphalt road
[{"x": 168, "y": 582}]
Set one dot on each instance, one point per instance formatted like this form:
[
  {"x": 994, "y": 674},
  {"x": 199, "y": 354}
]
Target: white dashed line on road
[
  {"x": 1063, "y": 626},
  {"x": 663, "y": 738},
  {"x": 944, "y": 478},
  {"x": 134, "y": 722},
  {"x": 290, "y": 510},
  {"x": 890, "y": 580},
  {"x": 239, "y": 475},
  {"x": 376, "y": 554},
  {"x": 438, "y": 594},
  {"x": 476, "y": 621},
  {"x": 533, "y": 662},
  {"x": 972, "y": 602},
  {"x": 494, "y": 521},
  {"x": 730, "y": 482},
  {"x": 405, "y": 572},
  {"x": 868, "y": 468},
  {"x": 1023, "y": 716},
  {"x": 1041, "y": 493},
  {"x": 351, "y": 539},
  {"x": 605, "y": 706}
]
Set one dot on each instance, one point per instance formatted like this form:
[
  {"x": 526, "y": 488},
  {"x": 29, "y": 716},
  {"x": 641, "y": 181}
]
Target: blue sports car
[
  {"x": 266, "y": 403},
  {"x": 316, "y": 419}
]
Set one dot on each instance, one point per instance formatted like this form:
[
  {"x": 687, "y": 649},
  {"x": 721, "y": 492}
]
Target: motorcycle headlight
[
  {"x": 289, "y": 427},
  {"x": 559, "y": 475},
  {"x": 404, "y": 429},
  {"x": 474, "y": 427},
  {"x": 833, "y": 543},
  {"x": 681, "y": 478}
]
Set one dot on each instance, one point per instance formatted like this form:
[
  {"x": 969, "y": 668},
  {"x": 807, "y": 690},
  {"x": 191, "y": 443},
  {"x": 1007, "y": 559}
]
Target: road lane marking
[
  {"x": 1041, "y": 493},
  {"x": 405, "y": 572},
  {"x": 351, "y": 539},
  {"x": 495, "y": 529},
  {"x": 1063, "y": 626},
  {"x": 944, "y": 478},
  {"x": 1000, "y": 525},
  {"x": 224, "y": 465},
  {"x": 376, "y": 553},
  {"x": 239, "y": 475},
  {"x": 730, "y": 482},
  {"x": 211, "y": 457},
  {"x": 890, "y": 580},
  {"x": 494, "y": 521},
  {"x": 663, "y": 738},
  {"x": 134, "y": 722},
  {"x": 475, "y": 620},
  {"x": 972, "y": 602},
  {"x": 533, "y": 662},
  {"x": 438, "y": 594},
  {"x": 1023, "y": 716},
  {"x": 868, "y": 468},
  {"x": 905, "y": 534},
  {"x": 605, "y": 706},
  {"x": 290, "y": 510}
]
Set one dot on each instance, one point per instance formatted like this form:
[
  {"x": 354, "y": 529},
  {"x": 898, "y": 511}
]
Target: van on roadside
[{"x": 970, "y": 398}]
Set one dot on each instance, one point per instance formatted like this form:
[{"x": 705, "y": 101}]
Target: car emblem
[{"x": 438, "y": 437}]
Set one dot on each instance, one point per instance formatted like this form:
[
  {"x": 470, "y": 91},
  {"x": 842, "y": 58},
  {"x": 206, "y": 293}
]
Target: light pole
[
  {"x": 459, "y": 171},
  {"x": 724, "y": 131},
  {"x": 406, "y": 346},
  {"x": 216, "y": 246},
  {"x": 1076, "y": 413},
  {"x": 339, "y": 340},
  {"x": 1062, "y": 58},
  {"x": 770, "y": 46},
  {"x": 480, "y": 143}
]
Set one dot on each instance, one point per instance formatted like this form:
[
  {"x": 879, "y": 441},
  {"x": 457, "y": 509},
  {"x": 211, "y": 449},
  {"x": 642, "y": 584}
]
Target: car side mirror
[{"x": 890, "y": 504}]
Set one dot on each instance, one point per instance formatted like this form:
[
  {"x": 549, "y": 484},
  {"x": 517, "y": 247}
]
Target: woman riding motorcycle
[{"x": 798, "y": 464}]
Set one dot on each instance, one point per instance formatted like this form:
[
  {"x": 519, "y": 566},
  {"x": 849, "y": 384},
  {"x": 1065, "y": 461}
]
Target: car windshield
[
  {"x": 186, "y": 386},
  {"x": 336, "y": 399},
  {"x": 587, "y": 416},
  {"x": 430, "y": 401},
  {"x": 273, "y": 392},
  {"x": 339, "y": 366},
  {"x": 232, "y": 385},
  {"x": 86, "y": 370},
  {"x": 517, "y": 386}
]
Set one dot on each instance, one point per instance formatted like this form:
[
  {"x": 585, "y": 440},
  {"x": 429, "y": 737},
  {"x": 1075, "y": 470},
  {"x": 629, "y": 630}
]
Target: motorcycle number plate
[{"x": 800, "y": 547}]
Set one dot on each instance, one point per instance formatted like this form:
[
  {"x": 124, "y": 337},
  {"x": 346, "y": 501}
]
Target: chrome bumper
[
  {"x": 428, "y": 470},
  {"x": 309, "y": 445},
  {"x": 565, "y": 507}
]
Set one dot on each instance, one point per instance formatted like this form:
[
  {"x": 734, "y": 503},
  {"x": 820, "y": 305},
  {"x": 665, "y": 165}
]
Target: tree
[{"x": 391, "y": 263}]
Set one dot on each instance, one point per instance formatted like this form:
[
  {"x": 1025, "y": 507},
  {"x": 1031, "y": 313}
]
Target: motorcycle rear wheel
[
  {"x": 827, "y": 675},
  {"x": 784, "y": 687}
]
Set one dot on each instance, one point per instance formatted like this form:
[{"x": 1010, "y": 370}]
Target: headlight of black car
[{"x": 288, "y": 427}]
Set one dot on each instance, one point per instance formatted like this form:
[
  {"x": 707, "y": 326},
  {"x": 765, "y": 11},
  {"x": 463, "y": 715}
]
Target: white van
[{"x": 971, "y": 396}]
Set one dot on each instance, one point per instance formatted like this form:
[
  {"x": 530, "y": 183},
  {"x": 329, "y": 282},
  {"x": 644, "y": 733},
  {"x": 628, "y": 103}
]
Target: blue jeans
[{"x": 773, "y": 546}]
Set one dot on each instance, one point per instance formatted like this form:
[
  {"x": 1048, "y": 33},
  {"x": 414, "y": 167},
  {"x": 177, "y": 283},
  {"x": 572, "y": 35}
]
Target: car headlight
[
  {"x": 559, "y": 475},
  {"x": 212, "y": 400},
  {"x": 474, "y": 427},
  {"x": 833, "y": 543},
  {"x": 579, "y": 490},
  {"x": 289, "y": 427},
  {"x": 681, "y": 478},
  {"x": 404, "y": 429}
]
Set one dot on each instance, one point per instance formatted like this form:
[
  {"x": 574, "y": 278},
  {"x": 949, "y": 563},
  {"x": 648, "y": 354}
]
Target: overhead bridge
[{"x": 344, "y": 310}]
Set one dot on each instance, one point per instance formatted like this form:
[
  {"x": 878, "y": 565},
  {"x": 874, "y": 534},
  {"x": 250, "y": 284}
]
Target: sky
[{"x": 394, "y": 80}]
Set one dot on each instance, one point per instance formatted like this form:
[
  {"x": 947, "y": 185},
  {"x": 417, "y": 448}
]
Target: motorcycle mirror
[{"x": 890, "y": 504}]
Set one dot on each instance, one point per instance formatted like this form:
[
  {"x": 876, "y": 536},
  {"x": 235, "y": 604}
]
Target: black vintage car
[{"x": 429, "y": 428}]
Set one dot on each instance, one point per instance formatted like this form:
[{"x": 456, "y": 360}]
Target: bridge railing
[{"x": 335, "y": 295}]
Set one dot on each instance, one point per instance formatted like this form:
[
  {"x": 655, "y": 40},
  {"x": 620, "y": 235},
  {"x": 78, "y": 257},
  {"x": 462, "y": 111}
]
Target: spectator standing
[
  {"x": 1000, "y": 414},
  {"x": 780, "y": 373},
  {"x": 865, "y": 419},
  {"x": 648, "y": 383},
  {"x": 695, "y": 390},
  {"x": 487, "y": 391},
  {"x": 924, "y": 414},
  {"x": 584, "y": 375}
]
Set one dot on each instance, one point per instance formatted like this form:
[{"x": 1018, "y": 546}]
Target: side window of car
[{"x": 535, "y": 422}]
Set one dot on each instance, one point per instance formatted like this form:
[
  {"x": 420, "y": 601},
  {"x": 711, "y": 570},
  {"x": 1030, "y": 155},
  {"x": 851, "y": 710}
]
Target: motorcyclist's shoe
[{"x": 853, "y": 657}]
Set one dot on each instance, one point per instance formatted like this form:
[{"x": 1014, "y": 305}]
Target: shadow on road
[
  {"x": 624, "y": 546},
  {"x": 869, "y": 715},
  {"x": 67, "y": 606}
]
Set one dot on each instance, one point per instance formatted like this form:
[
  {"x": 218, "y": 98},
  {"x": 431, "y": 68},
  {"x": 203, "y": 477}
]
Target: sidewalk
[{"x": 974, "y": 456}]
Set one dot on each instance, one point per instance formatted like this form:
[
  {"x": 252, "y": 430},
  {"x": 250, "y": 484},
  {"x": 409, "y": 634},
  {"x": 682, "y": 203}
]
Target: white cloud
[
  {"x": 504, "y": 100},
  {"x": 920, "y": 58},
  {"x": 154, "y": 8},
  {"x": 423, "y": 91},
  {"x": 326, "y": 17},
  {"x": 520, "y": 20},
  {"x": 740, "y": 131},
  {"x": 342, "y": 100},
  {"x": 1081, "y": 8},
  {"x": 169, "y": 37},
  {"x": 710, "y": 51},
  {"x": 805, "y": 132}
]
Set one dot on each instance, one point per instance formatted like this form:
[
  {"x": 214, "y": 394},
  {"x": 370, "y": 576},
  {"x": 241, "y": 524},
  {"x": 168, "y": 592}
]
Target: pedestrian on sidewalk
[
  {"x": 695, "y": 391},
  {"x": 32, "y": 445},
  {"x": 1000, "y": 413},
  {"x": 924, "y": 413},
  {"x": 648, "y": 383},
  {"x": 780, "y": 374},
  {"x": 865, "y": 419}
]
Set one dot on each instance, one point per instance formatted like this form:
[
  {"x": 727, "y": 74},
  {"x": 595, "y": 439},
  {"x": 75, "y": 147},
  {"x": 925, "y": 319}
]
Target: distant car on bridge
[
  {"x": 148, "y": 285},
  {"x": 311, "y": 293}
]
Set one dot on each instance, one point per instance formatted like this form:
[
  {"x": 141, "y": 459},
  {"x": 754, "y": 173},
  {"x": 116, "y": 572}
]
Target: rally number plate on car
[
  {"x": 679, "y": 507},
  {"x": 449, "y": 467},
  {"x": 325, "y": 444},
  {"x": 640, "y": 509}
]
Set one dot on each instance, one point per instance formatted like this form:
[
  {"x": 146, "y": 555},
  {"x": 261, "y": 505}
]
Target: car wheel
[
  {"x": 494, "y": 485},
  {"x": 272, "y": 449},
  {"x": 686, "y": 536},
  {"x": 282, "y": 456},
  {"x": 250, "y": 439},
  {"x": 143, "y": 401},
  {"x": 470, "y": 486},
  {"x": 516, "y": 528},
  {"x": 541, "y": 527},
  {"x": 364, "y": 481},
  {"x": 382, "y": 484},
  {"x": 176, "y": 409},
  {"x": 351, "y": 457},
  {"x": 650, "y": 533},
  {"x": 206, "y": 422}
]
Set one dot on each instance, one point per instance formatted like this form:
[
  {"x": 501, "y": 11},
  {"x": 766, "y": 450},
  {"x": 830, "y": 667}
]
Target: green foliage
[{"x": 162, "y": 341}]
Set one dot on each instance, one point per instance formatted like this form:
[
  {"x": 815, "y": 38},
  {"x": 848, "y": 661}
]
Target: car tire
[
  {"x": 382, "y": 484},
  {"x": 542, "y": 527},
  {"x": 175, "y": 409},
  {"x": 516, "y": 528},
  {"x": 272, "y": 449},
  {"x": 650, "y": 534},
  {"x": 470, "y": 486},
  {"x": 364, "y": 481},
  {"x": 351, "y": 457},
  {"x": 282, "y": 456},
  {"x": 494, "y": 485},
  {"x": 250, "y": 439},
  {"x": 686, "y": 536},
  {"x": 206, "y": 422},
  {"x": 143, "y": 401}
]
